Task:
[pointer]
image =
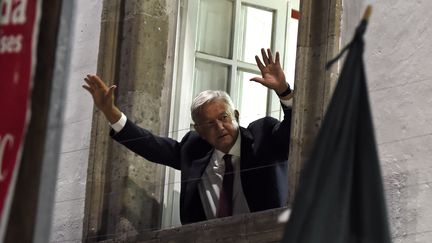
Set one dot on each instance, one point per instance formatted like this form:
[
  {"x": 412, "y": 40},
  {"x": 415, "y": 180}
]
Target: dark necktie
[{"x": 226, "y": 194}]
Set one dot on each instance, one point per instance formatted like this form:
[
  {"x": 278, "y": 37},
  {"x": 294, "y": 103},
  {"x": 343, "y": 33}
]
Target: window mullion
[
  {"x": 204, "y": 56},
  {"x": 234, "y": 86},
  {"x": 248, "y": 67},
  {"x": 278, "y": 44}
]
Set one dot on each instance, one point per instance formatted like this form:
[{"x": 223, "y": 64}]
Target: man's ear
[
  {"x": 198, "y": 129},
  {"x": 237, "y": 115}
]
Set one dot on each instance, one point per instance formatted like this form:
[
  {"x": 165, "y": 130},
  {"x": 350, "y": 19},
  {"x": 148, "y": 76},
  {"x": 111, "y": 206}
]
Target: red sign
[{"x": 18, "y": 25}]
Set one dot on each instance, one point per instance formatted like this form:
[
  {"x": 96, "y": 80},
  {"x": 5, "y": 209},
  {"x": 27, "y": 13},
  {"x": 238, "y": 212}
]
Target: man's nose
[{"x": 219, "y": 125}]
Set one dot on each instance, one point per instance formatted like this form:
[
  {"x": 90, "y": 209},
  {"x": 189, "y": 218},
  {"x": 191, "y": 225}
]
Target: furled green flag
[{"x": 340, "y": 197}]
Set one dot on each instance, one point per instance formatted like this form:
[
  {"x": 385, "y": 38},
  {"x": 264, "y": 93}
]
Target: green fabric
[{"x": 340, "y": 197}]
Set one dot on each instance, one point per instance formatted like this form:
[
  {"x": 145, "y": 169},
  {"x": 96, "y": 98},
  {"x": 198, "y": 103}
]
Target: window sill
[{"x": 265, "y": 226}]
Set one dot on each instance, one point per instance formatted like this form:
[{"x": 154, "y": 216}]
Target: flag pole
[{"x": 367, "y": 13}]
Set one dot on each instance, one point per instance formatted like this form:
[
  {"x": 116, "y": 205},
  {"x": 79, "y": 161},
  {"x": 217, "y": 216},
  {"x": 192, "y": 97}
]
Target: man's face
[{"x": 217, "y": 125}]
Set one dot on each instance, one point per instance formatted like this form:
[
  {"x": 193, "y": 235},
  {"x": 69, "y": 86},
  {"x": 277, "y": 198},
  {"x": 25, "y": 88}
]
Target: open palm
[
  {"x": 273, "y": 76},
  {"x": 103, "y": 96}
]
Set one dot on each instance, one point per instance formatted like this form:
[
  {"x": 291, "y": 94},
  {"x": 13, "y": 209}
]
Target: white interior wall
[
  {"x": 68, "y": 212},
  {"x": 398, "y": 59}
]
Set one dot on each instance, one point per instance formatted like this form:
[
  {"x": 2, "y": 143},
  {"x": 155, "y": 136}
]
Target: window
[{"x": 217, "y": 43}]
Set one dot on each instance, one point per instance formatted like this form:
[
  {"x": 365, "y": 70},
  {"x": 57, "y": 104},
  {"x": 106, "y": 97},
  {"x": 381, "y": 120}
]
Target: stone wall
[
  {"x": 136, "y": 52},
  {"x": 260, "y": 227}
]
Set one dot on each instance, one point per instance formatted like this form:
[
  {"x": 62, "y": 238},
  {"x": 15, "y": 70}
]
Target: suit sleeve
[
  {"x": 161, "y": 150},
  {"x": 282, "y": 131},
  {"x": 271, "y": 134}
]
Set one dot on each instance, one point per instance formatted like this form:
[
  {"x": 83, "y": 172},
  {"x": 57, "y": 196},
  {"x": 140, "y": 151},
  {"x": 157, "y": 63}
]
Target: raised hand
[
  {"x": 273, "y": 76},
  {"x": 103, "y": 97}
]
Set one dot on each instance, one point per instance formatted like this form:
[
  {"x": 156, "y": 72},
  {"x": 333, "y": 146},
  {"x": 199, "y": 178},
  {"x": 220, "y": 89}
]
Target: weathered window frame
[{"x": 318, "y": 41}]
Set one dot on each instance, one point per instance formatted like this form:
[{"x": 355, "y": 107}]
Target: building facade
[{"x": 105, "y": 192}]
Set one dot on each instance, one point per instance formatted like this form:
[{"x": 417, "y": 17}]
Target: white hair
[{"x": 206, "y": 97}]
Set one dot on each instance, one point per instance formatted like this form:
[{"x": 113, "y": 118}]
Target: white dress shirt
[{"x": 211, "y": 183}]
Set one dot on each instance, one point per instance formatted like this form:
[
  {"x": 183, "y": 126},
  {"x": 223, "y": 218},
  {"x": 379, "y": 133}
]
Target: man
[{"x": 225, "y": 169}]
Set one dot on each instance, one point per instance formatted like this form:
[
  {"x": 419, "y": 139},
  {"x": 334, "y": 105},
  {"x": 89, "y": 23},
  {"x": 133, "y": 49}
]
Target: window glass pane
[
  {"x": 253, "y": 101},
  {"x": 256, "y": 32},
  {"x": 214, "y": 27},
  {"x": 292, "y": 50},
  {"x": 209, "y": 75}
]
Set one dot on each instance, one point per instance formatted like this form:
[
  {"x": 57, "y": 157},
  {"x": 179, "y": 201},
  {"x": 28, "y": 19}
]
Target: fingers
[
  {"x": 277, "y": 58},
  {"x": 259, "y": 63},
  {"x": 90, "y": 90},
  {"x": 90, "y": 83},
  {"x": 267, "y": 58},
  {"x": 95, "y": 82},
  {"x": 99, "y": 83},
  {"x": 111, "y": 91},
  {"x": 264, "y": 56},
  {"x": 270, "y": 57}
]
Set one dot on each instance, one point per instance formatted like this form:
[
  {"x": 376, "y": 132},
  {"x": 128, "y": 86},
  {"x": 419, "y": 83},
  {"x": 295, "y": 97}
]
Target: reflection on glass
[
  {"x": 209, "y": 75},
  {"x": 256, "y": 32},
  {"x": 214, "y": 27},
  {"x": 253, "y": 103}
]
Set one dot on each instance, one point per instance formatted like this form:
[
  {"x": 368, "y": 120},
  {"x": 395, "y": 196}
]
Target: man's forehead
[
  {"x": 213, "y": 108},
  {"x": 215, "y": 104}
]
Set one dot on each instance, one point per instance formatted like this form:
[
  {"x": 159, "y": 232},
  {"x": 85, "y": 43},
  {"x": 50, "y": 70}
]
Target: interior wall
[
  {"x": 398, "y": 57},
  {"x": 68, "y": 212}
]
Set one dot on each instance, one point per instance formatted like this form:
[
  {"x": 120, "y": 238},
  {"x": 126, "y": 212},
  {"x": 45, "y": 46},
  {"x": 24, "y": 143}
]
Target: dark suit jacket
[{"x": 264, "y": 154}]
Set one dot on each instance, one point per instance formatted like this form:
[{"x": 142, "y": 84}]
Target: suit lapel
[
  {"x": 195, "y": 172},
  {"x": 245, "y": 159},
  {"x": 198, "y": 166},
  {"x": 246, "y": 146}
]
